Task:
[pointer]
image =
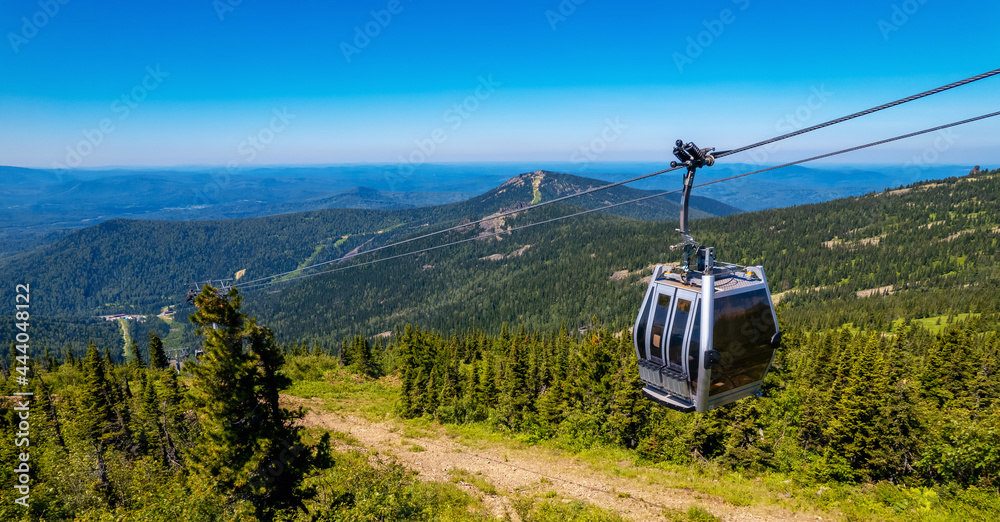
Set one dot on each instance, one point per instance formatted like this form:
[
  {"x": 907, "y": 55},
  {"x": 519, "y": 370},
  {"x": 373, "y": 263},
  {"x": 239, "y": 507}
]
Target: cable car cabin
[{"x": 688, "y": 367}]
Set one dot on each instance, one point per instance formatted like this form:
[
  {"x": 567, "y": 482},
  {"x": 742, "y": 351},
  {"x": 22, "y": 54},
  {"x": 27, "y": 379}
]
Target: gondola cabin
[{"x": 690, "y": 367}]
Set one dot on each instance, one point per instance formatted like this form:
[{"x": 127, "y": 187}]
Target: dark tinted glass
[
  {"x": 694, "y": 348},
  {"x": 640, "y": 331},
  {"x": 675, "y": 348},
  {"x": 744, "y": 326},
  {"x": 659, "y": 322}
]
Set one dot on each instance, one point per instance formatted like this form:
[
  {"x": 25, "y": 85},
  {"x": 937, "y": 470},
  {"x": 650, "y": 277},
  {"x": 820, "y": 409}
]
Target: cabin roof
[{"x": 725, "y": 281}]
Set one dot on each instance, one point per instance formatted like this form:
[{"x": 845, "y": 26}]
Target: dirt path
[{"x": 531, "y": 470}]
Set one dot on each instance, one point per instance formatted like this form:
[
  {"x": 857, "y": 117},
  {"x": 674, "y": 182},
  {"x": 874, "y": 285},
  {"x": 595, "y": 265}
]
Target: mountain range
[
  {"x": 129, "y": 265},
  {"x": 919, "y": 251},
  {"x": 38, "y": 207}
]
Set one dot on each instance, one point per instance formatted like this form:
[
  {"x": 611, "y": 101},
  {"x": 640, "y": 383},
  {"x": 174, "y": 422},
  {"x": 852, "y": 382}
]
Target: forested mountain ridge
[
  {"x": 138, "y": 266},
  {"x": 921, "y": 251}
]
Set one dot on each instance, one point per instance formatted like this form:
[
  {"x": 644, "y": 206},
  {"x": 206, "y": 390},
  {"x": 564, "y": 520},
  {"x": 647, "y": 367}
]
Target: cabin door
[
  {"x": 658, "y": 324},
  {"x": 678, "y": 334}
]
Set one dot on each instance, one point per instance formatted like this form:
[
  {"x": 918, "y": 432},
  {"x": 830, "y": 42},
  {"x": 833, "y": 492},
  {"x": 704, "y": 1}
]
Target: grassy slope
[{"x": 721, "y": 490}]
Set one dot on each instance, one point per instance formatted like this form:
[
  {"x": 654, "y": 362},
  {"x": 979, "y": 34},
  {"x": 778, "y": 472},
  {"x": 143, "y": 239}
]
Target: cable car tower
[{"x": 705, "y": 334}]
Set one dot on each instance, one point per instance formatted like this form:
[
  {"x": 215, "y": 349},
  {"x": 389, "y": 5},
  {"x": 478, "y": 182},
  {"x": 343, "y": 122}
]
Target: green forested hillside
[
  {"x": 900, "y": 426},
  {"x": 911, "y": 407},
  {"x": 135, "y": 266},
  {"x": 922, "y": 251},
  {"x": 883, "y": 406}
]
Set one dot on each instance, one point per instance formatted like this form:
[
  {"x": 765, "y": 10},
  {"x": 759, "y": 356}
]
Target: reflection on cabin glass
[
  {"x": 659, "y": 323},
  {"x": 640, "y": 331},
  {"x": 743, "y": 330},
  {"x": 675, "y": 347},
  {"x": 694, "y": 347}
]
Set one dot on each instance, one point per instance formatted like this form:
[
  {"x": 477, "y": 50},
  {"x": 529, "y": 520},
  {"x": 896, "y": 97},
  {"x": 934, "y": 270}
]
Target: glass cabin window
[
  {"x": 659, "y": 323},
  {"x": 694, "y": 347},
  {"x": 640, "y": 331},
  {"x": 744, "y": 325},
  {"x": 675, "y": 348}
]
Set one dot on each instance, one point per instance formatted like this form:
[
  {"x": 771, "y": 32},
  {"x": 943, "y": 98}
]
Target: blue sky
[{"x": 185, "y": 82}]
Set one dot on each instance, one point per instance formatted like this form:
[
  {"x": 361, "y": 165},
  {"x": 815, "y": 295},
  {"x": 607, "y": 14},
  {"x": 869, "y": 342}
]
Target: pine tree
[
  {"x": 856, "y": 426},
  {"x": 345, "y": 356},
  {"x": 407, "y": 405},
  {"x": 552, "y": 406},
  {"x": 448, "y": 397},
  {"x": 628, "y": 409},
  {"x": 515, "y": 402},
  {"x": 488, "y": 383},
  {"x": 358, "y": 354},
  {"x": 744, "y": 444},
  {"x": 948, "y": 369},
  {"x": 95, "y": 414},
  {"x": 149, "y": 430},
  {"x": 248, "y": 444},
  {"x": 47, "y": 410},
  {"x": 109, "y": 362},
  {"x": 95, "y": 401},
  {"x": 136, "y": 363},
  {"x": 171, "y": 422},
  {"x": 157, "y": 357}
]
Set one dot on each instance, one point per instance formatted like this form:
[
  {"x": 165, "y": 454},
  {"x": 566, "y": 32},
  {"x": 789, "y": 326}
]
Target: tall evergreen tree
[
  {"x": 135, "y": 362},
  {"x": 96, "y": 416},
  {"x": 249, "y": 445},
  {"x": 157, "y": 357}
]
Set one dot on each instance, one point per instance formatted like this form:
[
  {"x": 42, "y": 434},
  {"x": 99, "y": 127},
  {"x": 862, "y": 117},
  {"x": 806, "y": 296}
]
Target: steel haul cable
[
  {"x": 591, "y": 190},
  {"x": 636, "y": 200}
]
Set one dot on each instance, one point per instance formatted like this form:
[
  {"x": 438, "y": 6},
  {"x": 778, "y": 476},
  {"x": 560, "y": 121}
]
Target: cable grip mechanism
[{"x": 693, "y": 157}]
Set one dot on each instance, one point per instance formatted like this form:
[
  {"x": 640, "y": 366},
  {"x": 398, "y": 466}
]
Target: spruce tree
[
  {"x": 157, "y": 357},
  {"x": 488, "y": 383},
  {"x": 47, "y": 410},
  {"x": 516, "y": 399},
  {"x": 407, "y": 405},
  {"x": 136, "y": 363},
  {"x": 95, "y": 414},
  {"x": 95, "y": 401},
  {"x": 148, "y": 431},
  {"x": 172, "y": 421},
  {"x": 249, "y": 445}
]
